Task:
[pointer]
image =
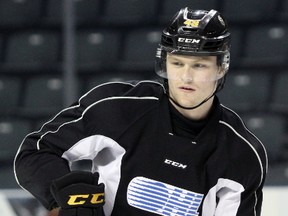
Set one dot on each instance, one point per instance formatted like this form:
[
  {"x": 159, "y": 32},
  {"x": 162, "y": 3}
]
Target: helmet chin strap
[
  {"x": 190, "y": 108},
  {"x": 218, "y": 88}
]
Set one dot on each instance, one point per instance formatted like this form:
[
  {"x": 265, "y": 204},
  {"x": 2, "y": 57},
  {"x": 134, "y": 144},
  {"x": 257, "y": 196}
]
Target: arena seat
[
  {"x": 129, "y": 12},
  {"x": 7, "y": 180},
  {"x": 249, "y": 11},
  {"x": 237, "y": 39},
  {"x": 87, "y": 12},
  {"x": 280, "y": 94},
  {"x": 270, "y": 129},
  {"x": 12, "y": 132},
  {"x": 43, "y": 95},
  {"x": 284, "y": 10},
  {"x": 10, "y": 91},
  {"x": 97, "y": 49},
  {"x": 277, "y": 175},
  {"x": 266, "y": 45},
  {"x": 19, "y": 13},
  {"x": 1, "y": 48},
  {"x": 246, "y": 90},
  {"x": 34, "y": 49},
  {"x": 140, "y": 49}
]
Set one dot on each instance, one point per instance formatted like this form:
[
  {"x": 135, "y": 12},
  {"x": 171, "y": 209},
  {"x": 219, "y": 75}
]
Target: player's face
[{"x": 192, "y": 79}]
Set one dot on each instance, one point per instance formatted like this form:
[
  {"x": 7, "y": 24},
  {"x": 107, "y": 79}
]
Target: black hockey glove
[{"x": 79, "y": 194}]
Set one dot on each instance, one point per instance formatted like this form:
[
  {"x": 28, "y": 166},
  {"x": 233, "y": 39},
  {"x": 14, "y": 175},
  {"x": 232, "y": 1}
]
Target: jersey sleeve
[
  {"x": 241, "y": 193},
  {"x": 39, "y": 158},
  {"x": 254, "y": 171}
]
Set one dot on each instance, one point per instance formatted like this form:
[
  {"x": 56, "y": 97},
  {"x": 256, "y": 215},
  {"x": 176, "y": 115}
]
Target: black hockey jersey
[{"x": 126, "y": 131}]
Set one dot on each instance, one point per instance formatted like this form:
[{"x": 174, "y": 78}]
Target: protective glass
[{"x": 170, "y": 65}]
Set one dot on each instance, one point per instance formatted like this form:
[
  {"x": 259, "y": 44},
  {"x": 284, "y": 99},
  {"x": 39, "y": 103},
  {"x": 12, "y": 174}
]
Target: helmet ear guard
[
  {"x": 160, "y": 62},
  {"x": 224, "y": 61}
]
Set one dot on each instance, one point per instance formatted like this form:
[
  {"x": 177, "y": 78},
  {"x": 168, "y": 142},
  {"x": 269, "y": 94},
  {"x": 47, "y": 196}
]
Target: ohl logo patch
[{"x": 161, "y": 198}]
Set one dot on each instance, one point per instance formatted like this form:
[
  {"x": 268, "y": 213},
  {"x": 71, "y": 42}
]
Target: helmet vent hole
[
  {"x": 211, "y": 32},
  {"x": 189, "y": 30}
]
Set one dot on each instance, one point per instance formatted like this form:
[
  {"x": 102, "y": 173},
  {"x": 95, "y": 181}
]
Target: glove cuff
[{"x": 81, "y": 212}]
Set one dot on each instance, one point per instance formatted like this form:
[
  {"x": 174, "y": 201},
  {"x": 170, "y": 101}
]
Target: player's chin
[{"x": 187, "y": 102}]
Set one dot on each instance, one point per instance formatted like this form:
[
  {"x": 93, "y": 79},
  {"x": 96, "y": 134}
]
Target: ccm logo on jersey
[
  {"x": 188, "y": 40},
  {"x": 175, "y": 164},
  {"x": 81, "y": 199}
]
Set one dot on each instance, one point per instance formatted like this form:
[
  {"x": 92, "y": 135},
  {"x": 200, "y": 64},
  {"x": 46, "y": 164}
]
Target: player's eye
[
  {"x": 200, "y": 65},
  {"x": 177, "y": 63}
]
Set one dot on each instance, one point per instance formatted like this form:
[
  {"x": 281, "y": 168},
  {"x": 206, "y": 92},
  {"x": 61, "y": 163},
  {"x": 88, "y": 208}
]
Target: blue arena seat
[
  {"x": 129, "y": 12},
  {"x": 280, "y": 93},
  {"x": 246, "y": 10},
  {"x": 270, "y": 129},
  {"x": 277, "y": 175},
  {"x": 1, "y": 48},
  {"x": 44, "y": 94},
  {"x": 169, "y": 7},
  {"x": 19, "y": 13},
  {"x": 284, "y": 10},
  {"x": 246, "y": 90},
  {"x": 140, "y": 56},
  {"x": 7, "y": 180},
  {"x": 33, "y": 49},
  {"x": 266, "y": 45},
  {"x": 87, "y": 11},
  {"x": 237, "y": 39},
  {"x": 97, "y": 49},
  {"x": 12, "y": 132},
  {"x": 10, "y": 89}
]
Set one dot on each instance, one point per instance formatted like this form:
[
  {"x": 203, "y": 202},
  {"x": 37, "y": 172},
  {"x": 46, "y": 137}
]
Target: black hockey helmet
[{"x": 195, "y": 32}]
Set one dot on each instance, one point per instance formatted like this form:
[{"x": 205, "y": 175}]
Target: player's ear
[{"x": 220, "y": 72}]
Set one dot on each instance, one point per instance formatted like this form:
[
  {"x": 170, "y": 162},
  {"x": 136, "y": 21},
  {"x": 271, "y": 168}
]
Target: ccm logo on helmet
[
  {"x": 82, "y": 199},
  {"x": 188, "y": 40}
]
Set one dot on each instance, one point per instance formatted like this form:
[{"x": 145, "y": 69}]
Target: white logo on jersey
[
  {"x": 161, "y": 198},
  {"x": 175, "y": 164}
]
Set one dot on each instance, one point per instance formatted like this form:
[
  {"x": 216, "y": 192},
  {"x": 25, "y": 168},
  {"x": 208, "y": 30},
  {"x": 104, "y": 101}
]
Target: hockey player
[{"x": 157, "y": 148}]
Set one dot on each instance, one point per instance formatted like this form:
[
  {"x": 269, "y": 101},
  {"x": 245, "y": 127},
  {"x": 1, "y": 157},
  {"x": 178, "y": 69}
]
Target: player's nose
[{"x": 187, "y": 74}]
